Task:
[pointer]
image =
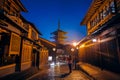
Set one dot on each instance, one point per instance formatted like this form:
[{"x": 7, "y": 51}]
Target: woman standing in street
[{"x": 69, "y": 60}]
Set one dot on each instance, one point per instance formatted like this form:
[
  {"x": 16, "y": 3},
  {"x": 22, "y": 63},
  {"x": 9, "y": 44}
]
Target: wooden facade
[
  {"x": 19, "y": 43},
  {"x": 101, "y": 46},
  {"x": 47, "y": 50}
]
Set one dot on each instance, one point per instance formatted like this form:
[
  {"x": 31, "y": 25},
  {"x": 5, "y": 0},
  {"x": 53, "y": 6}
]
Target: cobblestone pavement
[{"x": 58, "y": 72}]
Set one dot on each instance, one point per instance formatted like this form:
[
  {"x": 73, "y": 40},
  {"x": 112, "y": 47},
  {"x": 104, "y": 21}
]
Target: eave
[
  {"x": 21, "y": 5},
  {"x": 34, "y": 27},
  {"x": 56, "y": 32},
  {"x": 4, "y": 17},
  {"x": 47, "y": 43},
  {"x": 92, "y": 9}
]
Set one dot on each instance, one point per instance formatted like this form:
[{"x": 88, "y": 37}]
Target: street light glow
[
  {"x": 94, "y": 40},
  {"x": 50, "y": 58},
  {"x": 74, "y": 44},
  {"x": 77, "y": 47},
  {"x": 72, "y": 49},
  {"x": 54, "y": 49},
  {"x": 82, "y": 46}
]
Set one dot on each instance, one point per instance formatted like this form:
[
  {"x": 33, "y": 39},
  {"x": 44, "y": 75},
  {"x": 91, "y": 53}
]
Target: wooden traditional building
[
  {"x": 30, "y": 47},
  {"x": 46, "y": 51},
  {"x": 11, "y": 30},
  {"x": 19, "y": 44},
  {"x": 101, "y": 46}
]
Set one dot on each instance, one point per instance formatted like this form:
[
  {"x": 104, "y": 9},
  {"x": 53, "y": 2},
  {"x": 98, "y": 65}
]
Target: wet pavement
[{"x": 58, "y": 72}]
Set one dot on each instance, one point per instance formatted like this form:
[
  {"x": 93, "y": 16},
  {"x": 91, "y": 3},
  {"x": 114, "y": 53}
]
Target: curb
[{"x": 88, "y": 75}]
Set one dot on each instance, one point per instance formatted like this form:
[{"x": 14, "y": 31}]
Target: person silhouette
[{"x": 69, "y": 60}]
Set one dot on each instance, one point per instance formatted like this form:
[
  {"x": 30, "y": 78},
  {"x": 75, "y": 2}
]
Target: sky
[{"x": 46, "y": 13}]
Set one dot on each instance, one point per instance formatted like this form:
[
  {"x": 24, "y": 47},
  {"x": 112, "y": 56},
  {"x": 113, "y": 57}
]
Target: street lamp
[
  {"x": 54, "y": 49},
  {"x": 72, "y": 49},
  {"x": 75, "y": 53},
  {"x": 74, "y": 44}
]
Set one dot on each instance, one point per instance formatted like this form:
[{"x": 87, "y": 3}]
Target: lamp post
[
  {"x": 75, "y": 53},
  {"x": 54, "y": 49}
]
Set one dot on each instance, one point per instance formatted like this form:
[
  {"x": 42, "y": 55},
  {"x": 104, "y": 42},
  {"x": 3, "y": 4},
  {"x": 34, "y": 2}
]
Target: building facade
[
  {"x": 101, "y": 46},
  {"x": 19, "y": 44},
  {"x": 11, "y": 30},
  {"x": 48, "y": 50}
]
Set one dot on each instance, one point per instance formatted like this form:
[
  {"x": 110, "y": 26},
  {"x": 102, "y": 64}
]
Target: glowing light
[
  {"x": 74, "y": 44},
  {"x": 82, "y": 46},
  {"x": 94, "y": 40},
  {"x": 72, "y": 49},
  {"x": 50, "y": 58},
  {"x": 77, "y": 47},
  {"x": 58, "y": 63},
  {"x": 52, "y": 64},
  {"x": 54, "y": 49}
]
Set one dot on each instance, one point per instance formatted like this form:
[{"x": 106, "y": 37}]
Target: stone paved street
[{"x": 59, "y": 72}]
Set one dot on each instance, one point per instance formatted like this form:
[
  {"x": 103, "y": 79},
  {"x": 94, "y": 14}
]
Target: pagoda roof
[{"x": 56, "y": 32}]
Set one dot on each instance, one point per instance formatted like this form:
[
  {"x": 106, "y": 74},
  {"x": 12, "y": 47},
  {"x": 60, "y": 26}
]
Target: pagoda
[{"x": 59, "y": 35}]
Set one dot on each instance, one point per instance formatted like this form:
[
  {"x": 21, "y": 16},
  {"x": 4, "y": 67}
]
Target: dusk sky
[{"x": 46, "y": 13}]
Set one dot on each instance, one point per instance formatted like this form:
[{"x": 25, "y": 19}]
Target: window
[
  {"x": 8, "y": 6},
  {"x": 107, "y": 10},
  {"x": 91, "y": 23},
  {"x": 104, "y": 12},
  {"x": 98, "y": 19},
  {"x": 112, "y": 7},
  {"x": 101, "y": 15},
  {"x": 34, "y": 35}
]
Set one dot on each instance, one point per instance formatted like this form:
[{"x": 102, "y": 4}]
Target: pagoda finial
[{"x": 58, "y": 24}]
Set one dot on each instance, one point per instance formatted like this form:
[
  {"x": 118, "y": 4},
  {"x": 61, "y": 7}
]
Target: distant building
[
  {"x": 59, "y": 35},
  {"x": 48, "y": 50},
  {"x": 59, "y": 39},
  {"x": 101, "y": 46}
]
